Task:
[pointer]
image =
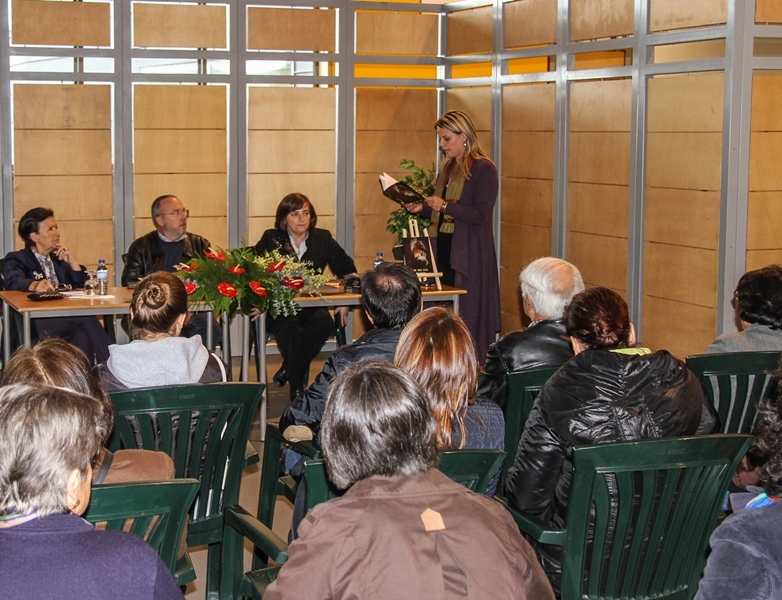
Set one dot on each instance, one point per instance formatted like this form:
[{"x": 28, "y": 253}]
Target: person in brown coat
[{"x": 403, "y": 529}]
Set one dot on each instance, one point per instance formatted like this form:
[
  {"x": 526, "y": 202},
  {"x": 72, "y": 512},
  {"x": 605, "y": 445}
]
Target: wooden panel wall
[
  {"x": 768, "y": 11},
  {"x": 62, "y": 150},
  {"x": 180, "y": 148},
  {"x": 527, "y": 188},
  {"x": 681, "y": 250},
  {"x": 291, "y": 29},
  {"x": 40, "y": 22},
  {"x": 596, "y": 19},
  {"x": 599, "y": 180},
  {"x": 764, "y": 218},
  {"x": 179, "y": 25},
  {"x": 673, "y": 14},
  {"x": 529, "y": 23},
  {"x": 292, "y": 148},
  {"x": 378, "y": 33},
  {"x": 470, "y": 31}
]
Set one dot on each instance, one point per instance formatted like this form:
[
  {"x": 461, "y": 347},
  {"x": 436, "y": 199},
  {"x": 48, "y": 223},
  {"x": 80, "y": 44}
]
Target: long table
[
  {"x": 120, "y": 305},
  {"x": 68, "y": 307}
]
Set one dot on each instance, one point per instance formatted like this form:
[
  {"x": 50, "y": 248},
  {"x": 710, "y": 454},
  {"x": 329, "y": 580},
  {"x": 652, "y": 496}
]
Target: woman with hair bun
[
  {"x": 610, "y": 391},
  {"x": 156, "y": 355},
  {"x": 758, "y": 304}
]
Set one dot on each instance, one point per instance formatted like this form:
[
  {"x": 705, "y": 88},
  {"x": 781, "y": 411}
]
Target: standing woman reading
[{"x": 465, "y": 195}]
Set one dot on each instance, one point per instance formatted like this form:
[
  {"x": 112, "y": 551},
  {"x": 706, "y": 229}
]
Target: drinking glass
[{"x": 91, "y": 285}]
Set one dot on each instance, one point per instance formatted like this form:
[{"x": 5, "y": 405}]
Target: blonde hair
[
  {"x": 436, "y": 348},
  {"x": 459, "y": 123}
]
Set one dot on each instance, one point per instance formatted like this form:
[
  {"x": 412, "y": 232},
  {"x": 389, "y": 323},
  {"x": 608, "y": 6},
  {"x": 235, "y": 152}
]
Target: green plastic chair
[
  {"x": 155, "y": 511},
  {"x": 650, "y": 507},
  {"x": 523, "y": 389},
  {"x": 211, "y": 448},
  {"x": 735, "y": 382}
]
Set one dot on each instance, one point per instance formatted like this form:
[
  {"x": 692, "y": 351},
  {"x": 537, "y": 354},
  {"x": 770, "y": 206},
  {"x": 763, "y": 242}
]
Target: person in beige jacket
[{"x": 403, "y": 529}]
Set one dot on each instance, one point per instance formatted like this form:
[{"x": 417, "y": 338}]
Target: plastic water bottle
[
  {"x": 379, "y": 259},
  {"x": 103, "y": 277}
]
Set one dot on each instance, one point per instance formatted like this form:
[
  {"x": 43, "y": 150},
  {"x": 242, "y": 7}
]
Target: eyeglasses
[{"x": 177, "y": 213}]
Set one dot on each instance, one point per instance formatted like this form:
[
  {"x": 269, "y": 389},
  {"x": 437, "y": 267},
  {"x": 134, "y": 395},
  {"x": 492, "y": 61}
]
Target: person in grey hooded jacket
[{"x": 156, "y": 355}]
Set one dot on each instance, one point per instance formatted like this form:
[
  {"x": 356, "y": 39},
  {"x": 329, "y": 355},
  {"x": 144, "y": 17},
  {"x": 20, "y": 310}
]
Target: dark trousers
[
  {"x": 86, "y": 333},
  {"x": 300, "y": 339},
  {"x": 197, "y": 326}
]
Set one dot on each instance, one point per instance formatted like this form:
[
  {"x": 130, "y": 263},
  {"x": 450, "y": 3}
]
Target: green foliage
[
  {"x": 422, "y": 181},
  {"x": 237, "y": 279}
]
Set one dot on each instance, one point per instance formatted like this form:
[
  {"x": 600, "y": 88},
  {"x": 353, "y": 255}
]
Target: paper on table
[{"x": 79, "y": 295}]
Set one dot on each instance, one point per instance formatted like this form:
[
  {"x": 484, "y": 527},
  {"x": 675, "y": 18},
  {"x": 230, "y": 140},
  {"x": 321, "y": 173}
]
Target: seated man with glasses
[{"x": 169, "y": 245}]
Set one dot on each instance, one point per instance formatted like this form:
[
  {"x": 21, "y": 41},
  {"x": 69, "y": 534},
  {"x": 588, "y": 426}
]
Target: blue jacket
[{"x": 21, "y": 268}]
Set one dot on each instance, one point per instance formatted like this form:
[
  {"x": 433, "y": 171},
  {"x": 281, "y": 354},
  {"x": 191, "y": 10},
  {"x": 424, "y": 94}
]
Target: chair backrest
[
  {"x": 640, "y": 515},
  {"x": 472, "y": 468},
  {"x": 204, "y": 428},
  {"x": 154, "y": 511},
  {"x": 735, "y": 382},
  {"x": 523, "y": 389}
]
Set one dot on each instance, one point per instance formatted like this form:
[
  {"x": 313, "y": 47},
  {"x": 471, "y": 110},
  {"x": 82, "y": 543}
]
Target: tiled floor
[{"x": 278, "y": 400}]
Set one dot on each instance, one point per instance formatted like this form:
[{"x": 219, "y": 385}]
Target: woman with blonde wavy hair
[
  {"x": 437, "y": 350},
  {"x": 465, "y": 193},
  {"x": 157, "y": 355}
]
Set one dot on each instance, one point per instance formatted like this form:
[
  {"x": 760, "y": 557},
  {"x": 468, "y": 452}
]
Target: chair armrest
[
  {"x": 261, "y": 536},
  {"x": 535, "y": 528}
]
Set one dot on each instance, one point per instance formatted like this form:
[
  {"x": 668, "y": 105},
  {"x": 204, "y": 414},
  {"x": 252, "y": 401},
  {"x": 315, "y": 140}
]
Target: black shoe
[
  {"x": 280, "y": 378},
  {"x": 297, "y": 393}
]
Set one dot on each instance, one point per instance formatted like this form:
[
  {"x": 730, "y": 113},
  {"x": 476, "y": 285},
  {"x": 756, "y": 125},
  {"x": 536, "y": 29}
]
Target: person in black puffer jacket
[{"x": 610, "y": 391}]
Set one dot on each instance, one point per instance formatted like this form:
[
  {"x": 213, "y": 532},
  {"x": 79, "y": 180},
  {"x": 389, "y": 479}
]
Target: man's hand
[
  {"x": 414, "y": 207},
  {"x": 341, "y": 313}
]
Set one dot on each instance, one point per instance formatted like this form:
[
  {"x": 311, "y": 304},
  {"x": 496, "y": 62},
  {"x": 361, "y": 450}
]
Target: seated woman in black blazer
[
  {"x": 301, "y": 337},
  {"x": 42, "y": 266}
]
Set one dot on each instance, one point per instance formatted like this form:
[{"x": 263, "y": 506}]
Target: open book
[{"x": 399, "y": 191}]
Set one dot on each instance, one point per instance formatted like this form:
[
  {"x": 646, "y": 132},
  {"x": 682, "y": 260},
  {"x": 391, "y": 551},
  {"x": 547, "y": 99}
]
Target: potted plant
[{"x": 422, "y": 181}]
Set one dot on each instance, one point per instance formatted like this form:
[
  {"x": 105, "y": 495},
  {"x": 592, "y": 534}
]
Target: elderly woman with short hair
[
  {"x": 48, "y": 439},
  {"x": 403, "y": 529}
]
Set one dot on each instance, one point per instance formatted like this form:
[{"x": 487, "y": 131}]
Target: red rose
[
  {"x": 295, "y": 283},
  {"x": 216, "y": 256},
  {"x": 275, "y": 266},
  {"x": 190, "y": 287},
  {"x": 226, "y": 289},
  {"x": 235, "y": 270},
  {"x": 256, "y": 287}
]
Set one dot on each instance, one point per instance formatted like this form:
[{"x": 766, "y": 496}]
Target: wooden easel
[{"x": 424, "y": 276}]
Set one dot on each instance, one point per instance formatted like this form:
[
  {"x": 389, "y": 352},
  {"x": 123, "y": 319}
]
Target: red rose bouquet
[{"x": 237, "y": 279}]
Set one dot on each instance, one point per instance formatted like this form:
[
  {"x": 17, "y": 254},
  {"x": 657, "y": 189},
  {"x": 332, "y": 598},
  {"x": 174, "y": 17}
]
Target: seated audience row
[{"x": 403, "y": 529}]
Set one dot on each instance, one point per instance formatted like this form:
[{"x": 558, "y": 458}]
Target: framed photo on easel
[{"x": 419, "y": 255}]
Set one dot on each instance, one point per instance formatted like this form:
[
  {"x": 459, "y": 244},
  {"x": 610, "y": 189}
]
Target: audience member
[
  {"x": 437, "y": 350},
  {"x": 48, "y": 437},
  {"x": 547, "y": 285},
  {"x": 609, "y": 391},
  {"x": 391, "y": 296},
  {"x": 301, "y": 337},
  {"x": 157, "y": 355},
  {"x": 758, "y": 304},
  {"x": 43, "y": 266},
  {"x": 55, "y": 362},
  {"x": 161, "y": 250},
  {"x": 403, "y": 529},
  {"x": 746, "y": 550}
]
